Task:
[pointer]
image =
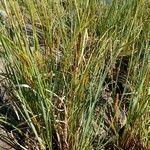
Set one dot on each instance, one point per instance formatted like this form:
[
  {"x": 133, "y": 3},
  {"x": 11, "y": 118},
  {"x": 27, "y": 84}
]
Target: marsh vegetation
[{"x": 77, "y": 74}]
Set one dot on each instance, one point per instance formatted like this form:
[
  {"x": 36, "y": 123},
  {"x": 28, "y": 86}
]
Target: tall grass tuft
[{"x": 77, "y": 73}]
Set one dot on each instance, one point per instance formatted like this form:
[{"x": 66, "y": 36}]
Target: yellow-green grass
[{"x": 57, "y": 76}]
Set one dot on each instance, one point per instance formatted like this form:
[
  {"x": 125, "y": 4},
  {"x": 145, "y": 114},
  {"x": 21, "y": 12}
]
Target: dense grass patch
[{"x": 77, "y": 73}]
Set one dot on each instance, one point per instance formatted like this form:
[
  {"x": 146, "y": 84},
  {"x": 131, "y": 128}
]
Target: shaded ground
[{"x": 3, "y": 133}]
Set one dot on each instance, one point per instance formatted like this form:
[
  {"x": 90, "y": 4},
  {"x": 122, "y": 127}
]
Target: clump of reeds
[{"x": 77, "y": 73}]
